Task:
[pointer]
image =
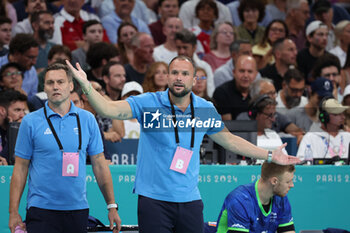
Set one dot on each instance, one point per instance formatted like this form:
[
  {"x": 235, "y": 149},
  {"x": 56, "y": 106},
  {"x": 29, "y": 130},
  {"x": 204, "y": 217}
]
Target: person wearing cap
[
  {"x": 130, "y": 128},
  {"x": 342, "y": 33},
  {"x": 307, "y": 116},
  {"x": 317, "y": 37},
  {"x": 330, "y": 140}
]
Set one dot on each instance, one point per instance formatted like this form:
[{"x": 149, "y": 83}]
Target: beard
[
  {"x": 291, "y": 101},
  {"x": 45, "y": 34},
  {"x": 179, "y": 94}
]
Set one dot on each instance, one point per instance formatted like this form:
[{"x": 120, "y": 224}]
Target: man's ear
[
  {"x": 274, "y": 181},
  {"x": 3, "y": 112}
]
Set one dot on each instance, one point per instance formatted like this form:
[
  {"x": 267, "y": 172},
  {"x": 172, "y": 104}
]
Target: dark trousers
[
  {"x": 55, "y": 221},
  {"x": 169, "y": 217}
]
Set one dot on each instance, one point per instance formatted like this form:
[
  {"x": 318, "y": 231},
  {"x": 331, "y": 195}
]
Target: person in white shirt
[{"x": 342, "y": 32}]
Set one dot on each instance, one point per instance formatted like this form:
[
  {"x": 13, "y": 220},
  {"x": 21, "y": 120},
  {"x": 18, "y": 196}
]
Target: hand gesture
[
  {"x": 79, "y": 74},
  {"x": 279, "y": 157},
  {"x": 113, "y": 217}
]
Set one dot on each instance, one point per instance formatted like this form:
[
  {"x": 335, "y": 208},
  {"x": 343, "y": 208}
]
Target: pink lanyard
[{"x": 340, "y": 149}]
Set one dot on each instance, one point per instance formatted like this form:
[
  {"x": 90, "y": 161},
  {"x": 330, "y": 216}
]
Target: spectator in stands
[
  {"x": 5, "y": 34},
  {"x": 42, "y": 24},
  {"x": 207, "y": 12},
  {"x": 330, "y": 140},
  {"x": 307, "y": 117},
  {"x": 186, "y": 44},
  {"x": 291, "y": 94},
  {"x": 225, "y": 72},
  {"x": 342, "y": 33},
  {"x": 156, "y": 77},
  {"x": 69, "y": 23},
  {"x": 126, "y": 31},
  {"x": 275, "y": 30},
  {"x": 13, "y": 105},
  {"x": 221, "y": 39},
  {"x": 200, "y": 87},
  {"x": 266, "y": 196},
  {"x": 24, "y": 50},
  {"x": 277, "y": 9},
  {"x": 98, "y": 55},
  {"x": 328, "y": 66},
  {"x": 130, "y": 127},
  {"x": 188, "y": 15},
  {"x": 92, "y": 34},
  {"x": 232, "y": 97},
  {"x": 7, "y": 10},
  {"x": 323, "y": 12},
  {"x": 285, "y": 53},
  {"x": 346, "y": 102},
  {"x": 317, "y": 33},
  {"x": 31, "y": 7},
  {"x": 122, "y": 13},
  {"x": 251, "y": 12},
  {"x": 11, "y": 77},
  {"x": 114, "y": 76},
  {"x": 345, "y": 73},
  {"x": 142, "y": 46},
  {"x": 167, "y": 51},
  {"x": 298, "y": 13},
  {"x": 166, "y": 9}
]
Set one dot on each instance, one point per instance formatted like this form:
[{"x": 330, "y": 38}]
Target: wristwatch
[
  {"x": 269, "y": 156},
  {"x": 111, "y": 206}
]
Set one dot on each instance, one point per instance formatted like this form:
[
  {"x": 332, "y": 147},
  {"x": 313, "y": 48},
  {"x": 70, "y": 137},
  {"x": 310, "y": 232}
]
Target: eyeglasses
[
  {"x": 11, "y": 74},
  {"x": 226, "y": 33},
  {"x": 330, "y": 74},
  {"x": 271, "y": 115},
  {"x": 201, "y": 78}
]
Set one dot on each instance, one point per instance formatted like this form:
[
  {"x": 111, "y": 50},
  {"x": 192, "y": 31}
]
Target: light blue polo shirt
[
  {"x": 157, "y": 145},
  {"x": 47, "y": 188}
]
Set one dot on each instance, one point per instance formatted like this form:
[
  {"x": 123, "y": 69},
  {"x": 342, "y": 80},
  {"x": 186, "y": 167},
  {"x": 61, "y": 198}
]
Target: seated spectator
[
  {"x": 5, "y": 34},
  {"x": 232, "y": 97},
  {"x": 166, "y": 9},
  {"x": 131, "y": 127},
  {"x": 142, "y": 46},
  {"x": 122, "y": 13},
  {"x": 328, "y": 66},
  {"x": 306, "y": 117},
  {"x": 251, "y": 12},
  {"x": 69, "y": 23},
  {"x": 342, "y": 33},
  {"x": 13, "y": 106},
  {"x": 167, "y": 51},
  {"x": 24, "y": 50},
  {"x": 125, "y": 32},
  {"x": 156, "y": 77},
  {"x": 207, "y": 12},
  {"x": 263, "y": 200},
  {"x": 11, "y": 77},
  {"x": 298, "y": 13},
  {"x": 225, "y": 72},
  {"x": 200, "y": 86},
  {"x": 346, "y": 102},
  {"x": 188, "y": 15},
  {"x": 275, "y": 30},
  {"x": 114, "y": 77},
  {"x": 291, "y": 94},
  {"x": 221, "y": 39},
  {"x": 92, "y": 34},
  {"x": 330, "y": 141},
  {"x": 277, "y": 9},
  {"x": 42, "y": 24},
  {"x": 316, "y": 33},
  {"x": 345, "y": 73},
  {"x": 7, "y": 10},
  {"x": 285, "y": 53}
]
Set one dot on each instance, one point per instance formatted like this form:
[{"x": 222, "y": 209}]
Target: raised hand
[
  {"x": 79, "y": 75},
  {"x": 279, "y": 157}
]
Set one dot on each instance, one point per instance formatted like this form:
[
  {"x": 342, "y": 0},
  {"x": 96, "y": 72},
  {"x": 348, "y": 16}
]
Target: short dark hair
[
  {"x": 184, "y": 58},
  {"x": 9, "y": 96},
  {"x": 57, "y": 49},
  {"x": 8, "y": 65},
  {"x": 251, "y": 4},
  {"x": 60, "y": 66},
  {"x": 36, "y": 16},
  {"x": 89, "y": 23},
  {"x": 324, "y": 61},
  {"x": 210, "y": 3},
  {"x": 293, "y": 74},
  {"x": 99, "y": 51},
  {"x": 22, "y": 43},
  {"x": 235, "y": 45},
  {"x": 278, "y": 44},
  {"x": 269, "y": 170},
  {"x": 186, "y": 36},
  {"x": 4, "y": 19},
  {"x": 105, "y": 69}
]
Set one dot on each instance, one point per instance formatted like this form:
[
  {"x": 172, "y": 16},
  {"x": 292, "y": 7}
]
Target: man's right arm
[
  {"x": 18, "y": 182},
  {"x": 120, "y": 110}
]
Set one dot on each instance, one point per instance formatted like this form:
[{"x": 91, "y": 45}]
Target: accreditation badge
[
  {"x": 70, "y": 164},
  {"x": 182, "y": 158}
]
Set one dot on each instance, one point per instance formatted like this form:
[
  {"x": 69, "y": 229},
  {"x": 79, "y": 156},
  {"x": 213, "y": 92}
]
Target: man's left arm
[
  {"x": 104, "y": 180},
  {"x": 241, "y": 146}
]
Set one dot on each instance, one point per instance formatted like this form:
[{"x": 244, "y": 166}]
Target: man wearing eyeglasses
[{"x": 291, "y": 95}]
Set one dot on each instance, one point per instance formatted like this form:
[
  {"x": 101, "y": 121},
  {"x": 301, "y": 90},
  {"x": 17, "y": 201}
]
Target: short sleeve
[
  {"x": 238, "y": 216},
  {"x": 95, "y": 141},
  {"x": 286, "y": 214},
  {"x": 24, "y": 142}
]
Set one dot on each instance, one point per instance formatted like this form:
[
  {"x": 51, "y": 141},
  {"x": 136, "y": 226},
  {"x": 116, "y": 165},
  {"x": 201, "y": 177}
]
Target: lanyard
[
  {"x": 54, "y": 131},
  {"x": 175, "y": 125},
  {"x": 331, "y": 151}
]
